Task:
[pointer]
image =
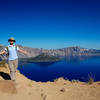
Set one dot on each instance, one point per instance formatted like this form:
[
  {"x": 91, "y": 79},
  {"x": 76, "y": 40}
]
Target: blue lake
[{"x": 77, "y": 68}]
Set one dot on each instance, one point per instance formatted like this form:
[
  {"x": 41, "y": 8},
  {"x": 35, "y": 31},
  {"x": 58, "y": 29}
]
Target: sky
[{"x": 51, "y": 24}]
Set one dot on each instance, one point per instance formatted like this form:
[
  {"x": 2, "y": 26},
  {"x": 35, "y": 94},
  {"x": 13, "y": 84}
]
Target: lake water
[{"x": 77, "y": 68}]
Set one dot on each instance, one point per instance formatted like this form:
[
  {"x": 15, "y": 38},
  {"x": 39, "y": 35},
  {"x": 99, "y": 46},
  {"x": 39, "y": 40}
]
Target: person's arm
[
  {"x": 2, "y": 52},
  {"x": 22, "y": 51}
]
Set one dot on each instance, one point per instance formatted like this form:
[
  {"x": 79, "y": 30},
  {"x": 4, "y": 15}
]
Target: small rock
[
  {"x": 64, "y": 83},
  {"x": 62, "y": 90},
  {"x": 42, "y": 94},
  {"x": 30, "y": 93},
  {"x": 44, "y": 98},
  {"x": 98, "y": 83}
]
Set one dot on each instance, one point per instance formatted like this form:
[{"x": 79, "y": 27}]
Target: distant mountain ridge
[{"x": 69, "y": 51}]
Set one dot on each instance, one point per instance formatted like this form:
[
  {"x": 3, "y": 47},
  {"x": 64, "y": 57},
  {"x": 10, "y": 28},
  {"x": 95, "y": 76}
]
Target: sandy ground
[{"x": 61, "y": 89}]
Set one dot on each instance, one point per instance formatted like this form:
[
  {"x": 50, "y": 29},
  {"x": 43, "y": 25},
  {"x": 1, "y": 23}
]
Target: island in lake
[{"x": 41, "y": 58}]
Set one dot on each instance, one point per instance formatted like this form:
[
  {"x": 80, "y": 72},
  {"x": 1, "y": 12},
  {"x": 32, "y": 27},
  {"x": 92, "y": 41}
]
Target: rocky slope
[{"x": 60, "y": 89}]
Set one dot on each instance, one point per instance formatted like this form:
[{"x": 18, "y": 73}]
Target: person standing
[{"x": 11, "y": 50}]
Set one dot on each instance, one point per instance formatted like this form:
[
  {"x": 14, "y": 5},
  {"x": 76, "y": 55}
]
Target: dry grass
[
  {"x": 90, "y": 78},
  {"x": 75, "y": 81},
  {"x": 3, "y": 63}
]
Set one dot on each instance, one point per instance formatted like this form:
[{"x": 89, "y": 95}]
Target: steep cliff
[{"x": 69, "y": 51}]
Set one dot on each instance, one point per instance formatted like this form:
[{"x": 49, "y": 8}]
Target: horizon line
[{"x": 54, "y": 48}]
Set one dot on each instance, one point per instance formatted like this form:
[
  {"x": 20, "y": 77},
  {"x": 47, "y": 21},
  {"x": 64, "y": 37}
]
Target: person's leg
[
  {"x": 16, "y": 63},
  {"x": 12, "y": 70},
  {"x": 15, "y": 67}
]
